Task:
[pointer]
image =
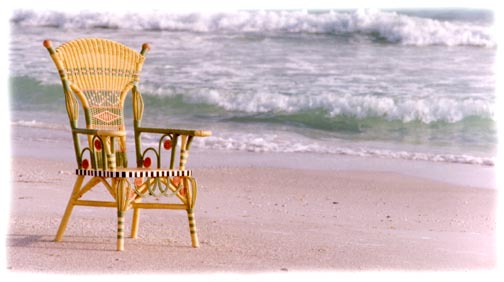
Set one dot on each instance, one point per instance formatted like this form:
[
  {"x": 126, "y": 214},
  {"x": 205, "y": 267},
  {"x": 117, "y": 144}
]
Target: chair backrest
[{"x": 100, "y": 73}]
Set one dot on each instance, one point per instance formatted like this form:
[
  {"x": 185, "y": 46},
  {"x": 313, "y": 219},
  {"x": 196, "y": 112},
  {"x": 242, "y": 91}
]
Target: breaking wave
[
  {"x": 426, "y": 110},
  {"x": 390, "y": 27}
]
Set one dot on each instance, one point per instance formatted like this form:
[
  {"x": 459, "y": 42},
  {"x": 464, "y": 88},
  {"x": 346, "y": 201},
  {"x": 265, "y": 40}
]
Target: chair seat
[{"x": 133, "y": 172}]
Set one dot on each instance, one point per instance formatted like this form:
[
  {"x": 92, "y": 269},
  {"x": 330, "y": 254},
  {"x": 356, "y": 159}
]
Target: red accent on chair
[
  {"x": 167, "y": 144},
  {"x": 85, "y": 164},
  {"x": 147, "y": 162},
  {"x": 97, "y": 145}
]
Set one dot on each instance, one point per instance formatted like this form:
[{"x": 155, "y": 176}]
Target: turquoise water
[{"x": 416, "y": 85}]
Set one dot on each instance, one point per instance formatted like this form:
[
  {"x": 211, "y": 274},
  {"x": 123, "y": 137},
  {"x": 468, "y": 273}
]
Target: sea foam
[
  {"x": 389, "y": 26},
  {"x": 278, "y": 144},
  {"x": 425, "y": 110}
]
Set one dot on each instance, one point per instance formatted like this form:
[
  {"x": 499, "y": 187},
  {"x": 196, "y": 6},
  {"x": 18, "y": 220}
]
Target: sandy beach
[{"x": 259, "y": 220}]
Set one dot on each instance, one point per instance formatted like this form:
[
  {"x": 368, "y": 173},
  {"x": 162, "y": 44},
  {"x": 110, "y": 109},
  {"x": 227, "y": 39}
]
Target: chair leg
[
  {"x": 69, "y": 208},
  {"x": 122, "y": 202},
  {"x": 134, "y": 225},
  {"x": 192, "y": 228},
  {"x": 120, "y": 230}
]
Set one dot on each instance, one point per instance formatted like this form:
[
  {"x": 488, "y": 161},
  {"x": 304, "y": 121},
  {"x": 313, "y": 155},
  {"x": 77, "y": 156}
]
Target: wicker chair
[{"x": 98, "y": 74}]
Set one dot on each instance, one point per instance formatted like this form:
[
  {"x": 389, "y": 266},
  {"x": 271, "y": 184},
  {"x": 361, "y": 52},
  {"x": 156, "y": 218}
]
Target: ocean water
[{"x": 404, "y": 84}]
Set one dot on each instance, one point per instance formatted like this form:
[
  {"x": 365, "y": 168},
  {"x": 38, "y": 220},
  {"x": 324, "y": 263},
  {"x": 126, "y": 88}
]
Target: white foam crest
[
  {"x": 420, "y": 31},
  {"x": 392, "y": 27},
  {"x": 276, "y": 144},
  {"x": 426, "y": 110},
  {"x": 39, "y": 124}
]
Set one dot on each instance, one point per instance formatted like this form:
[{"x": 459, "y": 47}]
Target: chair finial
[
  {"x": 47, "y": 43},
  {"x": 145, "y": 48}
]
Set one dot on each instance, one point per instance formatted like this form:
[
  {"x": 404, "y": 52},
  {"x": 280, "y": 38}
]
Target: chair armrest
[
  {"x": 185, "y": 135},
  {"x": 101, "y": 147},
  {"x": 197, "y": 133},
  {"x": 111, "y": 133}
]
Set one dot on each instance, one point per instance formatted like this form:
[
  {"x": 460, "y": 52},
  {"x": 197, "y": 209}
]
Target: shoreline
[{"x": 472, "y": 175}]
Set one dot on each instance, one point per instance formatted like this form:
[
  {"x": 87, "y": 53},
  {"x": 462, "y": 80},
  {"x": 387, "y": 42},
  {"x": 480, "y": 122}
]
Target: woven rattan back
[{"x": 100, "y": 72}]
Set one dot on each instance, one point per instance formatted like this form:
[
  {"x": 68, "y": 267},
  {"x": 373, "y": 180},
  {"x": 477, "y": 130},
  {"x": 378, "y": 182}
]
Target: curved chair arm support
[
  {"x": 101, "y": 147},
  {"x": 169, "y": 140}
]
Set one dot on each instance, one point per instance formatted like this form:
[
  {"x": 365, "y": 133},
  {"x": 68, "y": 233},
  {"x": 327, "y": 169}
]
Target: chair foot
[
  {"x": 64, "y": 222},
  {"x": 134, "y": 225},
  {"x": 62, "y": 227},
  {"x": 68, "y": 210},
  {"x": 192, "y": 228},
  {"x": 194, "y": 240},
  {"x": 120, "y": 230}
]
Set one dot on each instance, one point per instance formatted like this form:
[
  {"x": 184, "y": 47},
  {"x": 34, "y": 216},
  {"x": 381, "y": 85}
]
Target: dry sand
[{"x": 257, "y": 220}]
